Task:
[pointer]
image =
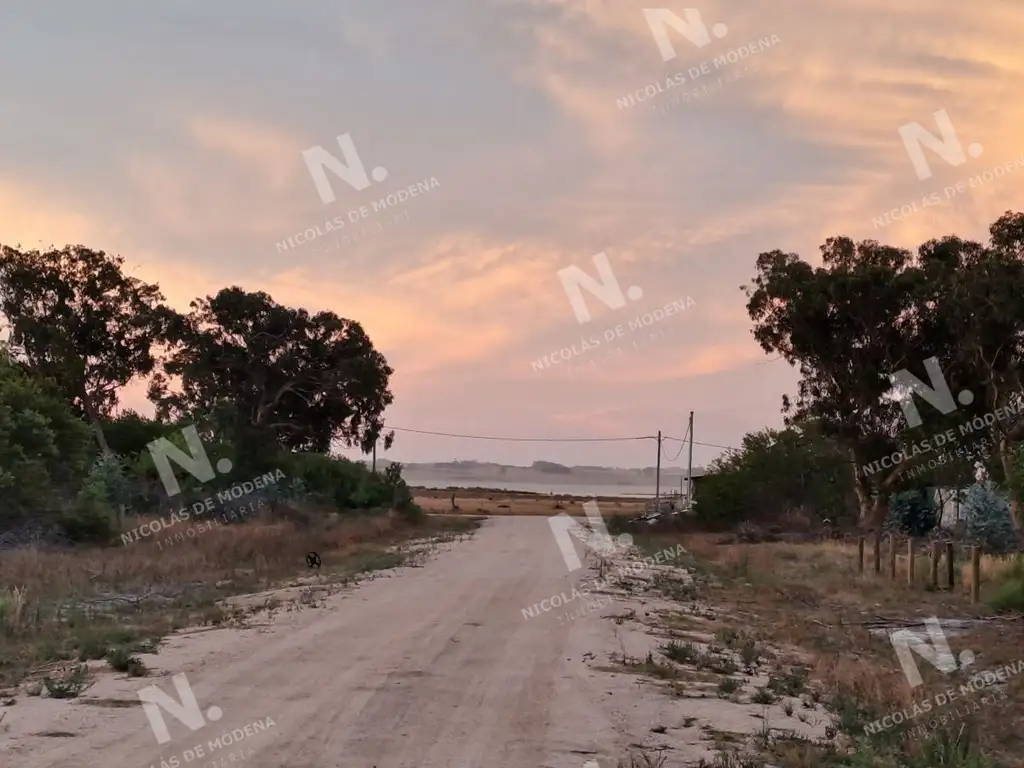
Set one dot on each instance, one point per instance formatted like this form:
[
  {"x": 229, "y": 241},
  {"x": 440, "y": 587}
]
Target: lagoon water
[{"x": 629, "y": 491}]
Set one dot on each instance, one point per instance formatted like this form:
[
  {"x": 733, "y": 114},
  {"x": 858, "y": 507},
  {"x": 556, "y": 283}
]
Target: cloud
[
  {"x": 514, "y": 108},
  {"x": 269, "y": 153},
  {"x": 417, "y": 328},
  {"x": 39, "y": 218}
]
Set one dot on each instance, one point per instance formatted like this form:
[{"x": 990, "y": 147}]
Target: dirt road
[
  {"x": 433, "y": 667},
  {"x": 426, "y": 667}
]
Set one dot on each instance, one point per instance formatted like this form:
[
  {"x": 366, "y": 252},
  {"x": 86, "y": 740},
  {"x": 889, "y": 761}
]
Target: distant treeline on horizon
[{"x": 546, "y": 467}]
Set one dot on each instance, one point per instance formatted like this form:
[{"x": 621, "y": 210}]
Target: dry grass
[
  {"x": 809, "y": 603},
  {"x": 993, "y": 568},
  {"x": 76, "y": 604},
  {"x": 267, "y": 548},
  {"x": 485, "y": 502}
]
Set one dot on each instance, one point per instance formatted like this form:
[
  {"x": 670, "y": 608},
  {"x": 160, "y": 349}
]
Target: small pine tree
[
  {"x": 987, "y": 512},
  {"x": 912, "y": 512}
]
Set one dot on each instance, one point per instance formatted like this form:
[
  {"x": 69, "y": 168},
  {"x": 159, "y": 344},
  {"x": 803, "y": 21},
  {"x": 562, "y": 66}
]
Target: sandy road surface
[{"x": 432, "y": 667}]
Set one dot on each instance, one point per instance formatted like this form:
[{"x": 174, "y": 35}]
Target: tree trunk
[
  {"x": 1015, "y": 514},
  {"x": 873, "y": 504},
  {"x": 863, "y": 501},
  {"x": 1006, "y": 461},
  {"x": 878, "y": 512},
  {"x": 97, "y": 427}
]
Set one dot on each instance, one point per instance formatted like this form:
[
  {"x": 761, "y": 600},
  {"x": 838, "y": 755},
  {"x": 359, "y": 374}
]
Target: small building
[
  {"x": 675, "y": 500},
  {"x": 950, "y": 503},
  {"x": 698, "y": 475}
]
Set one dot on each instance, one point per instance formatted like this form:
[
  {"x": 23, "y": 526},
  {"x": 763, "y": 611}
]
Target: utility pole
[
  {"x": 689, "y": 468},
  {"x": 374, "y": 469},
  {"x": 657, "y": 479}
]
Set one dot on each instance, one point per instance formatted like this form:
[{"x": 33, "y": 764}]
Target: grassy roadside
[
  {"x": 61, "y": 608},
  {"x": 798, "y": 620}
]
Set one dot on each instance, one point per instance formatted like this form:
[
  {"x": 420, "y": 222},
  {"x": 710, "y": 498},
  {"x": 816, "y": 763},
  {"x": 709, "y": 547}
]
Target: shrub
[
  {"x": 122, "y": 660},
  {"x": 988, "y": 521},
  {"x": 129, "y": 434},
  {"x": 772, "y": 473},
  {"x": 684, "y": 653},
  {"x": 401, "y": 496},
  {"x": 109, "y": 482},
  {"x": 148, "y": 488},
  {"x": 913, "y": 513},
  {"x": 763, "y": 696},
  {"x": 1009, "y": 596},
  {"x": 345, "y": 484},
  {"x": 70, "y": 685},
  {"x": 44, "y": 448},
  {"x": 791, "y": 683},
  {"x": 12, "y": 609},
  {"x": 619, "y": 524},
  {"x": 91, "y": 519},
  {"x": 727, "y": 686},
  {"x": 1009, "y": 593}
]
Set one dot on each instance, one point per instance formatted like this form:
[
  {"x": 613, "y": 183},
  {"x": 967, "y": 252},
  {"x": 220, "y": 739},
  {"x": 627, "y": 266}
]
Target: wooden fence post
[
  {"x": 892, "y": 556},
  {"x": 860, "y": 555},
  {"x": 950, "y": 577},
  {"x": 933, "y": 576},
  {"x": 877, "y": 551},
  {"x": 975, "y": 574},
  {"x": 910, "y": 560}
]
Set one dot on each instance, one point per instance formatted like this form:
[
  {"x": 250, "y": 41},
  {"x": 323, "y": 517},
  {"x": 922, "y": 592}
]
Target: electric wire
[
  {"x": 524, "y": 439},
  {"x": 558, "y": 439}
]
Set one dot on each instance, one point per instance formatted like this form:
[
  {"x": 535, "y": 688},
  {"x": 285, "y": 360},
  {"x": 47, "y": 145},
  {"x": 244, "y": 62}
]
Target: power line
[
  {"x": 558, "y": 439},
  {"x": 521, "y": 439},
  {"x": 682, "y": 444},
  {"x": 673, "y": 460},
  {"x": 709, "y": 445}
]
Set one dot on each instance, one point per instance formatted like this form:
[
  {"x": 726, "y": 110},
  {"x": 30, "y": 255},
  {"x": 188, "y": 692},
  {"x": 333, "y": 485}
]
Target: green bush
[
  {"x": 401, "y": 496},
  {"x": 44, "y": 449},
  {"x": 1009, "y": 592},
  {"x": 619, "y": 524},
  {"x": 987, "y": 513},
  {"x": 91, "y": 520},
  {"x": 94, "y": 516},
  {"x": 1009, "y": 596},
  {"x": 913, "y": 513},
  {"x": 122, "y": 660},
  {"x": 129, "y": 434},
  {"x": 344, "y": 484},
  {"x": 70, "y": 685},
  {"x": 109, "y": 480},
  {"x": 775, "y": 472},
  {"x": 149, "y": 490}
]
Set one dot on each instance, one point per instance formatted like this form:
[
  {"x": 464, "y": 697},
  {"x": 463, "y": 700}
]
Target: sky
[{"x": 173, "y": 133}]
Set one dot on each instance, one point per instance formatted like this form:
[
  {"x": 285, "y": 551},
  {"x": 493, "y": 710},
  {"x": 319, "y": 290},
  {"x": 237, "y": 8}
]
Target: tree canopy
[
  {"x": 878, "y": 334},
  {"x": 777, "y": 474},
  {"x": 870, "y": 311},
  {"x": 265, "y": 384},
  {"x": 44, "y": 447},
  {"x": 306, "y": 379},
  {"x": 77, "y": 319}
]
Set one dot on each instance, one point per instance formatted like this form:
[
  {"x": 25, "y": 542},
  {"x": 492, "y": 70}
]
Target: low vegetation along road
[{"x": 435, "y": 667}]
